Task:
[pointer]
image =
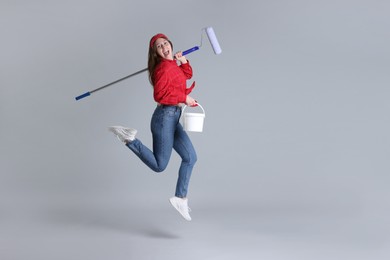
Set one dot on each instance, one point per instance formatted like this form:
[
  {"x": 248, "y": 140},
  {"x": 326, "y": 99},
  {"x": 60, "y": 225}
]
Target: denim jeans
[{"x": 168, "y": 133}]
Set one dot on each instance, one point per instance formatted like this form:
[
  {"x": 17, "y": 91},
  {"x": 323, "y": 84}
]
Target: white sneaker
[
  {"x": 181, "y": 205},
  {"x": 124, "y": 134}
]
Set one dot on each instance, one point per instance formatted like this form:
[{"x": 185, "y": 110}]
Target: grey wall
[{"x": 297, "y": 105}]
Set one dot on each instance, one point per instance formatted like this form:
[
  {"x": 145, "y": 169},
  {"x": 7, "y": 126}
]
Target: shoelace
[
  {"x": 117, "y": 134},
  {"x": 125, "y": 131}
]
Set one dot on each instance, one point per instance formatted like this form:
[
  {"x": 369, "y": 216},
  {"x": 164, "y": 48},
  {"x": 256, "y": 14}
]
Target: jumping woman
[{"x": 168, "y": 74}]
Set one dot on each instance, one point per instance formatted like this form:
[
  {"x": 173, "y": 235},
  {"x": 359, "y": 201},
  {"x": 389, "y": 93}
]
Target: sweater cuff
[{"x": 185, "y": 64}]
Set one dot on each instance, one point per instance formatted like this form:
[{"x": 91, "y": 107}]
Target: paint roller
[{"x": 210, "y": 35}]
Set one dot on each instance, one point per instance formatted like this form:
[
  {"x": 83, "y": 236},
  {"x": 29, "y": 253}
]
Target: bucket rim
[{"x": 194, "y": 115}]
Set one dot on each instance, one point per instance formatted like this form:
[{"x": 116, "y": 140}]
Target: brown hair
[{"x": 153, "y": 60}]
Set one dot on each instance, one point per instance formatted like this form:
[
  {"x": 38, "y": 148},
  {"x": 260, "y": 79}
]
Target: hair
[{"x": 153, "y": 60}]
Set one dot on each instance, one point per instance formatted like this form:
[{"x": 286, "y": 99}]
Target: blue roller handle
[
  {"x": 83, "y": 95},
  {"x": 90, "y": 92},
  {"x": 191, "y": 50}
]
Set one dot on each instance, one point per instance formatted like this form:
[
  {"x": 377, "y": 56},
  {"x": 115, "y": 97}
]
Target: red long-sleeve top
[{"x": 170, "y": 86}]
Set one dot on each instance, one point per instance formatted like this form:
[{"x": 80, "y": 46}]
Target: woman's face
[{"x": 164, "y": 48}]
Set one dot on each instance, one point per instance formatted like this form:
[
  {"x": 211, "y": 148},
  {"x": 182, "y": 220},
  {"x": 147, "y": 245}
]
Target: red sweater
[{"x": 170, "y": 86}]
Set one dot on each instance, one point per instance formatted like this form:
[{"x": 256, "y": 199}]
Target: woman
[{"x": 170, "y": 91}]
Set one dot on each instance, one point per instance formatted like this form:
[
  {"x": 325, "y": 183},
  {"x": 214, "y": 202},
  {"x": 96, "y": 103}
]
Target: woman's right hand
[{"x": 190, "y": 101}]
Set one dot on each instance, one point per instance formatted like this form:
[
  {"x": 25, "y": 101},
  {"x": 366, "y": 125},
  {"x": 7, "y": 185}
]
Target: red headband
[{"x": 154, "y": 38}]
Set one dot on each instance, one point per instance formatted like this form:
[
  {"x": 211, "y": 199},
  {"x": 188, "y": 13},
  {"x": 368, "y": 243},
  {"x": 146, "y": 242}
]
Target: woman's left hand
[
  {"x": 179, "y": 56},
  {"x": 190, "y": 101}
]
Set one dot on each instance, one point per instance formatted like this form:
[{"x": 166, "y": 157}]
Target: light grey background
[{"x": 293, "y": 160}]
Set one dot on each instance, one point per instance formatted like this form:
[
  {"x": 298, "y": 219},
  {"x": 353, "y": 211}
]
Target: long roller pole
[{"x": 86, "y": 94}]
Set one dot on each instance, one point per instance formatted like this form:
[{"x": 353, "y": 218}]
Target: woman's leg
[
  {"x": 163, "y": 126},
  {"x": 183, "y": 146}
]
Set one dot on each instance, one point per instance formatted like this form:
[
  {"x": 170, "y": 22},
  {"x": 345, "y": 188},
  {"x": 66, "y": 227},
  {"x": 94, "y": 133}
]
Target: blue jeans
[{"x": 168, "y": 133}]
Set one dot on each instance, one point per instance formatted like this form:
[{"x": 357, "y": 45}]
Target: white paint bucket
[{"x": 193, "y": 122}]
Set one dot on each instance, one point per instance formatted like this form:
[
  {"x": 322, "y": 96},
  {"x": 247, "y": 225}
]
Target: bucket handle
[{"x": 197, "y": 104}]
